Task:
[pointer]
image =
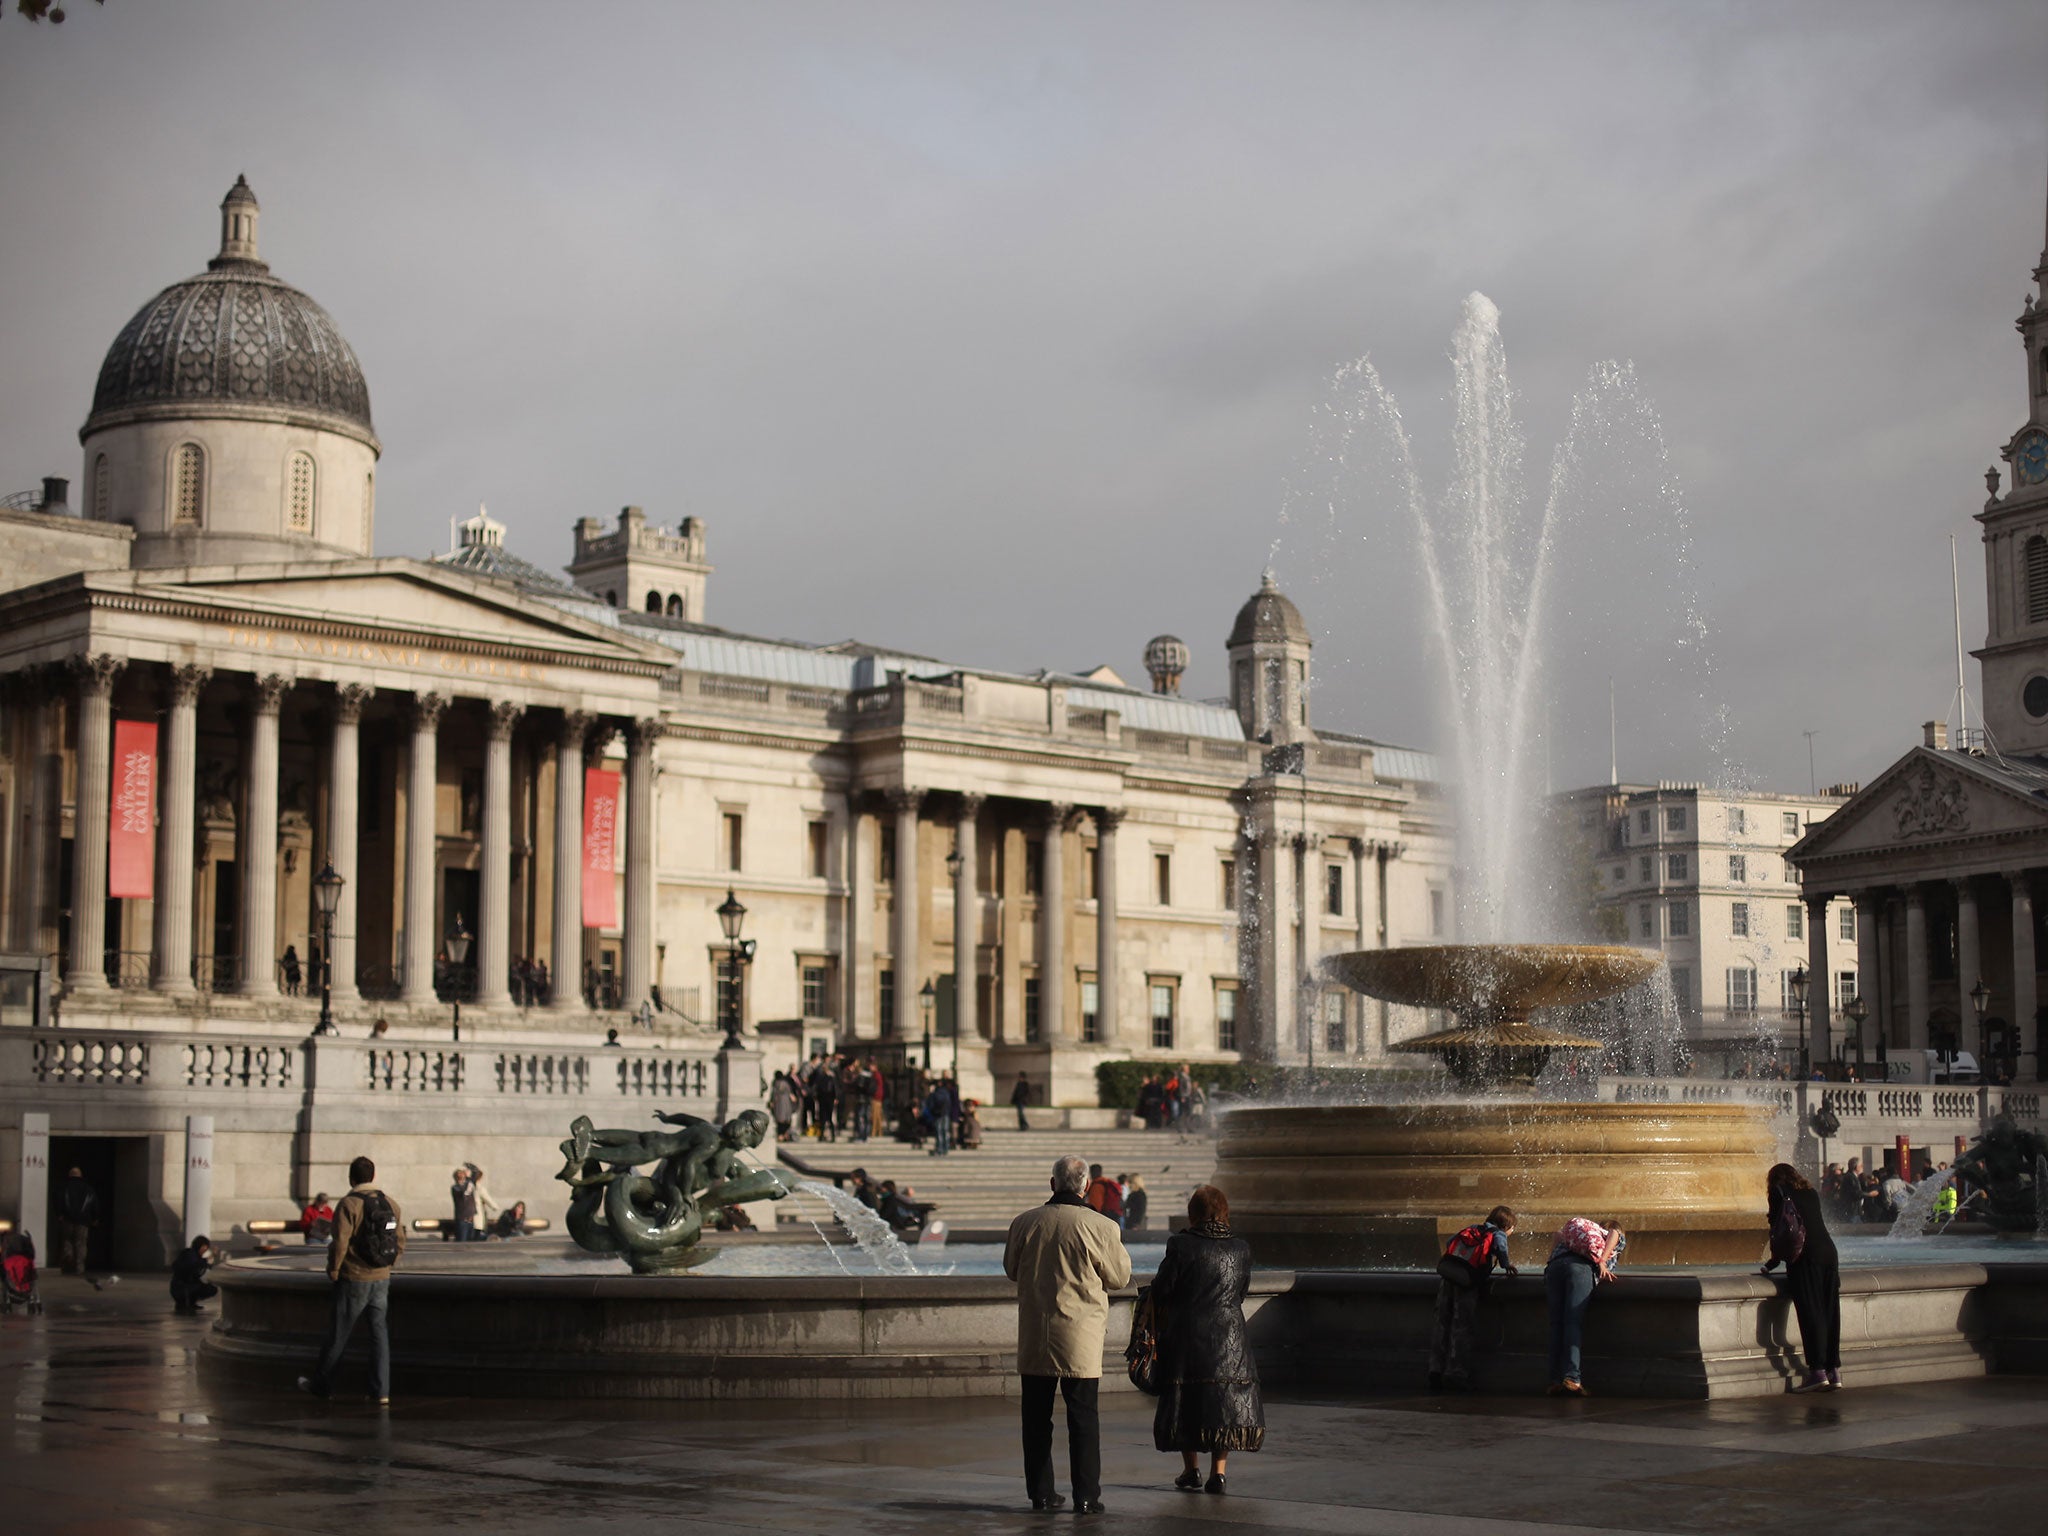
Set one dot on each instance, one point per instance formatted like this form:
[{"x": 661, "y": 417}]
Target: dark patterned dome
[
  {"x": 1268, "y": 617},
  {"x": 233, "y": 341}
]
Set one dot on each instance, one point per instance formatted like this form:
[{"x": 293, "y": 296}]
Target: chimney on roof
[
  {"x": 1934, "y": 735},
  {"x": 56, "y": 495}
]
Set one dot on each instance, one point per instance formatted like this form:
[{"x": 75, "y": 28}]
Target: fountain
[{"x": 1367, "y": 1184}]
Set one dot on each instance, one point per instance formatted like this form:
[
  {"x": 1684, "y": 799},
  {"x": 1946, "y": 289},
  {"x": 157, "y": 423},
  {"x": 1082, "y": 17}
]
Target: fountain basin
[{"x": 1361, "y": 1185}]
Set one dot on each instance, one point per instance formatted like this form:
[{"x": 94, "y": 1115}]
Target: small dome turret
[{"x": 1268, "y": 616}]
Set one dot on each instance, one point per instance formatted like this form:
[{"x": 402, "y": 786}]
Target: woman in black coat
[
  {"x": 1209, "y": 1387},
  {"x": 1814, "y": 1278}
]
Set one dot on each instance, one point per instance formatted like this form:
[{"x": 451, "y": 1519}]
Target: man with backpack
[
  {"x": 369, "y": 1237},
  {"x": 1465, "y": 1271}
]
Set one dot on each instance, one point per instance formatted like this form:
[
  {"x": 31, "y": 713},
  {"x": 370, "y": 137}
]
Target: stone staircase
[{"x": 983, "y": 1190}]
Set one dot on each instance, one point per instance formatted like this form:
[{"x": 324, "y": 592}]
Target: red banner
[
  {"x": 131, "y": 817},
  {"x": 600, "y": 844}
]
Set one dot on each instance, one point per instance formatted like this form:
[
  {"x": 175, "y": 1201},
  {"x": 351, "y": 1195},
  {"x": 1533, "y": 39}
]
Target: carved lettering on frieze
[{"x": 1930, "y": 803}]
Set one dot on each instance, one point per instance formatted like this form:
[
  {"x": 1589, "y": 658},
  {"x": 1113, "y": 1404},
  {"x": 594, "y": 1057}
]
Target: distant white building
[{"x": 1700, "y": 875}]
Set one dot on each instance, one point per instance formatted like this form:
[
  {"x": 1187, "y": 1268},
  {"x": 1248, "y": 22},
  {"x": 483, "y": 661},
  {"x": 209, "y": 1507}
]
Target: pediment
[
  {"x": 405, "y": 600},
  {"x": 1927, "y": 799}
]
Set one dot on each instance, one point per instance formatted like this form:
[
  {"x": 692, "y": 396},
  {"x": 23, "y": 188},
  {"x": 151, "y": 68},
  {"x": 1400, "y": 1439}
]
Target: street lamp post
[
  {"x": 458, "y": 953},
  {"x": 1798, "y": 984},
  {"x": 327, "y": 897},
  {"x": 1858, "y": 1012},
  {"x": 1980, "y": 1001},
  {"x": 927, "y": 1000},
  {"x": 738, "y": 952}
]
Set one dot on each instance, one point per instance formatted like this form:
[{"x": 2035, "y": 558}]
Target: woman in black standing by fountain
[
  {"x": 1813, "y": 1273},
  {"x": 1209, "y": 1387}
]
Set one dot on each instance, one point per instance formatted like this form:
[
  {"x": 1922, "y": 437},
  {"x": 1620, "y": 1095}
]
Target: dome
[
  {"x": 233, "y": 341},
  {"x": 1268, "y": 618}
]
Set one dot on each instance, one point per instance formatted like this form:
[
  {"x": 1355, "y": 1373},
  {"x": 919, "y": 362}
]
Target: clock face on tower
[{"x": 2030, "y": 459}]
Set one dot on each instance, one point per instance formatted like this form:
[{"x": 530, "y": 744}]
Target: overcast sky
[{"x": 996, "y": 332}]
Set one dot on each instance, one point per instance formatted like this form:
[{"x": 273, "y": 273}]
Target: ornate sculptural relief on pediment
[{"x": 1930, "y": 803}]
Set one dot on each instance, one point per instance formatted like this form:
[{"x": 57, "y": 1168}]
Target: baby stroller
[{"x": 18, "y": 1274}]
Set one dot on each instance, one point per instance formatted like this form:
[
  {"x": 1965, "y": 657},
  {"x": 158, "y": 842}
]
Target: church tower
[{"x": 2015, "y": 653}]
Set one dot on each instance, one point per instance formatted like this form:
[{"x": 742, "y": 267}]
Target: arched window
[
  {"x": 102, "y": 490},
  {"x": 369, "y": 506},
  {"x": 675, "y": 605},
  {"x": 654, "y": 602},
  {"x": 188, "y": 486},
  {"x": 298, "y": 494},
  {"x": 2037, "y": 580}
]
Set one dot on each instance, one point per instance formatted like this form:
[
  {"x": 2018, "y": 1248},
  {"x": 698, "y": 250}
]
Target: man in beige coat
[{"x": 1066, "y": 1259}]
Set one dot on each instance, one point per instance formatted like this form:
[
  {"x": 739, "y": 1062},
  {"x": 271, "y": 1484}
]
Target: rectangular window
[
  {"x": 885, "y": 854},
  {"x": 1229, "y": 872},
  {"x": 1741, "y": 989},
  {"x": 1226, "y": 1017},
  {"x": 817, "y": 834},
  {"x": 1674, "y": 818},
  {"x": 1620, "y": 873},
  {"x": 1845, "y": 988},
  {"x": 1644, "y": 824},
  {"x": 1091, "y": 872},
  {"x": 1333, "y": 1022},
  {"x": 1031, "y": 1010},
  {"x": 885, "y": 1000},
  {"x": 1091, "y": 1005},
  {"x": 1738, "y": 821},
  {"x": 817, "y": 986},
  {"x": 1436, "y": 914},
  {"x": 1162, "y": 878},
  {"x": 1681, "y": 919},
  {"x": 1644, "y": 868},
  {"x": 1795, "y": 921},
  {"x": 1681, "y": 986},
  {"x": 1162, "y": 1016},
  {"x": 1646, "y": 921},
  {"x": 1333, "y": 890},
  {"x": 1738, "y": 919},
  {"x": 1677, "y": 867},
  {"x": 734, "y": 826},
  {"x": 1034, "y": 867},
  {"x": 1785, "y": 991},
  {"x": 1848, "y": 928},
  {"x": 1738, "y": 869},
  {"x": 1791, "y": 824}
]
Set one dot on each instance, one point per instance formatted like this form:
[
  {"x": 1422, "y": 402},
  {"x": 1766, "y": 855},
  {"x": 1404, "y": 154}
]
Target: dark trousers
[
  {"x": 1022, "y": 1123},
  {"x": 352, "y": 1299},
  {"x": 1084, "y": 1436},
  {"x": 71, "y": 1246},
  {"x": 1816, "y": 1287},
  {"x": 1450, "y": 1344},
  {"x": 1568, "y": 1283},
  {"x": 863, "y": 1118},
  {"x": 190, "y": 1295}
]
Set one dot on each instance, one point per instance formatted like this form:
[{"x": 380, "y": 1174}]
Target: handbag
[
  {"x": 1141, "y": 1355},
  {"x": 1788, "y": 1232}
]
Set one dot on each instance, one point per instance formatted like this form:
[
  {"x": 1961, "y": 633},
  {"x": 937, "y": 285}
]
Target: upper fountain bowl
[{"x": 1493, "y": 982}]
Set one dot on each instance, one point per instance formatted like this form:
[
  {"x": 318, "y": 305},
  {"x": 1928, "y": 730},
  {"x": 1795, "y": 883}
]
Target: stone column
[
  {"x": 906, "y": 1025},
  {"x": 1917, "y": 1005},
  {"x": 637, "y": 961},
  {"x": 566, "y": 968},
  {"x": 177, "y": 810},
  {"x": 87, "y": 971},
  {"x": 1817, "y": 995},
  {"x": 1969, "y": 959},
  {"x": 860, "y": 926},
  {"x": 344, "y": 801},
  {"x": 494, "y": 908},
  {"x": 1869, "y": 965},
  {"x": 40, "y": 790},
  {"x": 1108, "y": 1015},
  {"x": 259, "y": 842},
  {"x": 966, "y": 925},
  {"x": 422, "y": 775},
  {"x": 1052, "y": 929},
  {"x": 1272, "y": 980},
  {"x": 2024, "y": 962}
]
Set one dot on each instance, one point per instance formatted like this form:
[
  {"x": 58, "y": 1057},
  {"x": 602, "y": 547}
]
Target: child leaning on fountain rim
[{"x": 1465, "y": 1271}]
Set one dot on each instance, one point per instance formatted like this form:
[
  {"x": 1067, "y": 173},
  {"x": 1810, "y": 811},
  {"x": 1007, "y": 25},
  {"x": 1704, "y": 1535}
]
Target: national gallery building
[{"x": 537, "y": 790}]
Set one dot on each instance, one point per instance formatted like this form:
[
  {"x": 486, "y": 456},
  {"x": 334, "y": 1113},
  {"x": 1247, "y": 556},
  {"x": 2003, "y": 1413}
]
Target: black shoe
[
  {"x": 311, "y": 1387},
  {"x": 1436, "y": 1381},
  {"x": 1090, "y": 1507},
  {"x": 1190, "y": 1480},
  {"x": 1049, "y": 1503},
  {"x": 1215, "y": 1483}
]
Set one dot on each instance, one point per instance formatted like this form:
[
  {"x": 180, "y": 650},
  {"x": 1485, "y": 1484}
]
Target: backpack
[
  {"x": 1464, "y": 1259},
  {"x": 375, "y": 1244},
  {"x": 1141, "y": 1355},
  {"x": 1788, "y": 1232}
]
